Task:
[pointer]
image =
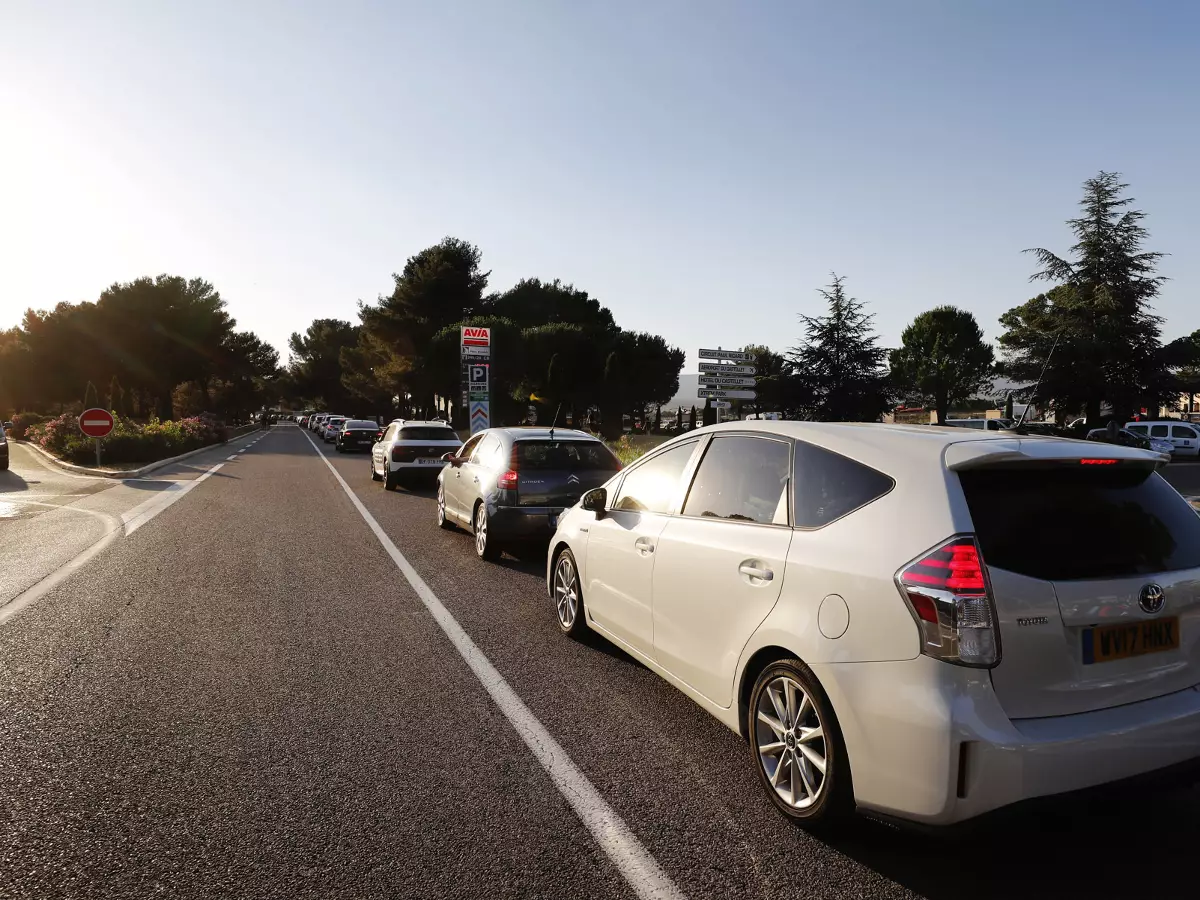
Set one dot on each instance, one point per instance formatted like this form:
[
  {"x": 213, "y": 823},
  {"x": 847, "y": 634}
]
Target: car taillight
[
  {"x": 508, "y": 481},
  {"x": 1097, "y": 462},
  {"x": 951, "y": 599},
  {"x": 403, "y": 454}
]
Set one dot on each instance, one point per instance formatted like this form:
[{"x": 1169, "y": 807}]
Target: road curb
[{"x": 132, "y": 473}]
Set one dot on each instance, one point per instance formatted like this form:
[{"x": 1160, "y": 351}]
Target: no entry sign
[{"x": 96, "y": 423}]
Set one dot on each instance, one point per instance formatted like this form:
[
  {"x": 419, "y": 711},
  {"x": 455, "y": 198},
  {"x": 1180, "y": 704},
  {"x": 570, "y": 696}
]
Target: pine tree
[
  {"x": 1097, "y": 317},
  {"x": 839, "y": 364},
  {"x": 91, "y": 397},
  {"x": 692, "y": 419}
]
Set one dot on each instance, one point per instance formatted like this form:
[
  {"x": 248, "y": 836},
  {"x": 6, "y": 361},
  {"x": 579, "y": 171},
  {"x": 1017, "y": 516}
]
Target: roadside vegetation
[{"x": 130, "y": 441}]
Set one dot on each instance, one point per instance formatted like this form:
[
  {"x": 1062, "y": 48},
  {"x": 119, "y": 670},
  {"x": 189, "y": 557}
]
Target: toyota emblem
[{"x": 1152, "y": 599}]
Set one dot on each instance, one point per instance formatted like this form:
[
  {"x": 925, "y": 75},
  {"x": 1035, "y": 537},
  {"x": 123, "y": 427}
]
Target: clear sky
[{"x": 699, "y": 167}]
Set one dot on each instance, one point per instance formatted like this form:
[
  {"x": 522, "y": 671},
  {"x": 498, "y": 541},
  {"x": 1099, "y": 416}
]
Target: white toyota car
[{"x": 919, "y": 622}]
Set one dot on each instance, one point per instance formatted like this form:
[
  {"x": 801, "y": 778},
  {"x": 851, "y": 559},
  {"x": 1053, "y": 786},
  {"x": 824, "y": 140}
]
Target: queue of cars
[{"x": 914, "y": 622}]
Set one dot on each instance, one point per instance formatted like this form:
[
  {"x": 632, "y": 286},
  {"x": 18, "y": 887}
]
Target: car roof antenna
[
  {"x": 1037, "y": 384},
  {"x": 555, "y": 422}
]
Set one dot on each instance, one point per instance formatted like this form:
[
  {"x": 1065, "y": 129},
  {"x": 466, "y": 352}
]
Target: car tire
[
  {"x": 567, "y": 594},
  {"x": 375, "y": 476},
  {"x": 485, "y": 542},
  {"x": 442, "y": 519},
  {"x": 390, "y": 479},
  {"x": 3, "y": 465},
  {"x": 800, "y": 727}
]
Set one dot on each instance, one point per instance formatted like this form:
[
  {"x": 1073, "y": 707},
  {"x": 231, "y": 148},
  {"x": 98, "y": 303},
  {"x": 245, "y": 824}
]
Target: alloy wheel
[
  {"x": 790, "y": 739},
  {"x": 566, "y": 592},
  {"x": 481, "y": 529}
]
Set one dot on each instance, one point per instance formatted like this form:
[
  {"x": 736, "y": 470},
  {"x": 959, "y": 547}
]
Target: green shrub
[{"x": 130, "y": 441}]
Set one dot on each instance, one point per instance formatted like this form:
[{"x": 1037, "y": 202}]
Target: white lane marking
[
  {"x": 232, "y": 457},
  {"x": 144, "y": 512},
  {"x": 59, "y": 575},
  {"x": 615, "y": 838}
]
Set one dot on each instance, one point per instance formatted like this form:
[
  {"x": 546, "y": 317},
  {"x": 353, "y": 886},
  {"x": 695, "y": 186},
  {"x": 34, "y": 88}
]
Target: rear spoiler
[{"x": 976, "y": 454}]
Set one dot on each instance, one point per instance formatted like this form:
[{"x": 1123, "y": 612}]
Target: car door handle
[
  {"x": 644, "y": 546},
  {"x": 753, "y": 571}
]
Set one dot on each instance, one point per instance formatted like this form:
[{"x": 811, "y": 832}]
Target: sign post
[
  {"x": 96, "y": 423},
  {"x": 726, "y": 378},
  {"x": 475, "y": 354}
]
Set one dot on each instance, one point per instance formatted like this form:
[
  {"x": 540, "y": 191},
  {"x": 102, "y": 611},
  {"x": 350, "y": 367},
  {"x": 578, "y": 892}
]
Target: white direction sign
[
  {"x": 735, "y": 355},
  {"x": 722, "y": 404},
  {"x": 722, "y": 394},
  {"x": 708, "y": 380},
  {"x": 468, "y": 350},
  {"x": 726, "y": 370}
]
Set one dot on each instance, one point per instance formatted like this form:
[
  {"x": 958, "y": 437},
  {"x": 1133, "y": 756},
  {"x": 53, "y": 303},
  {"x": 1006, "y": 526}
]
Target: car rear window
[
  {"x": 1073, "y": 522},
  {"x": 362, "y": 424},
  {"x": 579, "y": 456},
  {"x": 829, "y": 485},
  {"x": 427, "y": 433}
]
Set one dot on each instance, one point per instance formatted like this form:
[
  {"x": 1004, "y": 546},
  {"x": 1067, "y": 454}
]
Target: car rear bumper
[
  {"x": 929, "y": 742},
  {"x": 533, "y": 523}
]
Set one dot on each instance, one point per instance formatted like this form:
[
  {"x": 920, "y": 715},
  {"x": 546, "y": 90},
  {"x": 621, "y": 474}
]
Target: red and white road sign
[
  {"x": 96, "y": 423},
  {"x": 476, "y": 337}
]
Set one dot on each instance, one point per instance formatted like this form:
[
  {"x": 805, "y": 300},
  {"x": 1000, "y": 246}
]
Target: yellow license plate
[{"x": 1109, "y": 642}]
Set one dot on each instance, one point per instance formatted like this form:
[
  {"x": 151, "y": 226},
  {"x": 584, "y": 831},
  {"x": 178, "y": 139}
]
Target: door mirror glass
[{"x": 595, "y": 501}]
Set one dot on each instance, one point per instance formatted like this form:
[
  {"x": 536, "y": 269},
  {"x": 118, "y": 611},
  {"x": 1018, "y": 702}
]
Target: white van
[{"x": 1185, "y": 437}]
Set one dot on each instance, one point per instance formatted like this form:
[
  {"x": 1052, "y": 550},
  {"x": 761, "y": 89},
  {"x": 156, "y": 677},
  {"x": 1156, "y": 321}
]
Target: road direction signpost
[
  {"x": 723, "y": 394},
  {"x": 727, "y": 378},
  {"x": 731, "y": 355},
  {"x": 96, "y": 423},
  {"x": 475, "y": 354},
  {"x": 719, "y": 369}
]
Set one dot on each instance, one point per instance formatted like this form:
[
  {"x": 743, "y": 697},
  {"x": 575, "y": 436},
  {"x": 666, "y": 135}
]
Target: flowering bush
[
  {"x": 130, "y": 441},
  {"x": 21, "y": 423}
]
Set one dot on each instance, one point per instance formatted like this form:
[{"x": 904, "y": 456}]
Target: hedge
[{"x": 130, "y": 441}]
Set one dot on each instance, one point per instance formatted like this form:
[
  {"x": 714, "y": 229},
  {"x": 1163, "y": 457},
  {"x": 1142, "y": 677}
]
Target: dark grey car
[{"x": 509, "y": 485}]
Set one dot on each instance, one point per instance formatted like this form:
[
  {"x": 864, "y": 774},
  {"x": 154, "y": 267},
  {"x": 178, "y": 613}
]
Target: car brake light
[
  {"x": 507, "y": 481},
  {"x": 951, "y": 600},
  {"x": 1097, "y": 462}
]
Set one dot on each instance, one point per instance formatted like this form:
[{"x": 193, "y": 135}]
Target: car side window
[
  {"x": 1158, "y": 431},
  {"x": 465, "y": 451},
  {"x": 390, "y": 434},
  {"x": 488, "y": 452},
  {"x": 653, "y": 485},
  {"x": 1182, "y": 431},
  {"x": 829, "y": 485},
  {"x": 1140, "y": 429},
  {"x": 743, "y": 479}
]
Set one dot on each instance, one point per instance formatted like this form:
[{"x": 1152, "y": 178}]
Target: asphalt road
[{"x": 246, "y": 697}]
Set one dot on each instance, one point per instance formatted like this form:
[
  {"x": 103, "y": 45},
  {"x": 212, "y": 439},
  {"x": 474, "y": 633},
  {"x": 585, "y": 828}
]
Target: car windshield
[{"x": 533, "y": 455}]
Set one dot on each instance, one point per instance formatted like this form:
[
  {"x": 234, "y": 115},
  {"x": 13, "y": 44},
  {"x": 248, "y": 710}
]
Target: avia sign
[{"x": 476, "y": 337}]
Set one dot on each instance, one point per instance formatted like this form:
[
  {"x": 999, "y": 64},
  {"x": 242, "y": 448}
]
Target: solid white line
[
  {"x": 232, "y": 457},
  {"x": 615, "y": 838},
  {"x": 36, "y": 591},
  {"x": 144, "y": 512}
]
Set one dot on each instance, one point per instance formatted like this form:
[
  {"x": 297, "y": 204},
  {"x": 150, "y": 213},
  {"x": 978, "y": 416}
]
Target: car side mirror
[{"x": 595, "y": 501}]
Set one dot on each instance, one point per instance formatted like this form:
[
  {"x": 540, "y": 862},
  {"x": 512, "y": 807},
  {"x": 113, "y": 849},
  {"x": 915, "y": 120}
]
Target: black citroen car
[{"x": 509, "y": 485}]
